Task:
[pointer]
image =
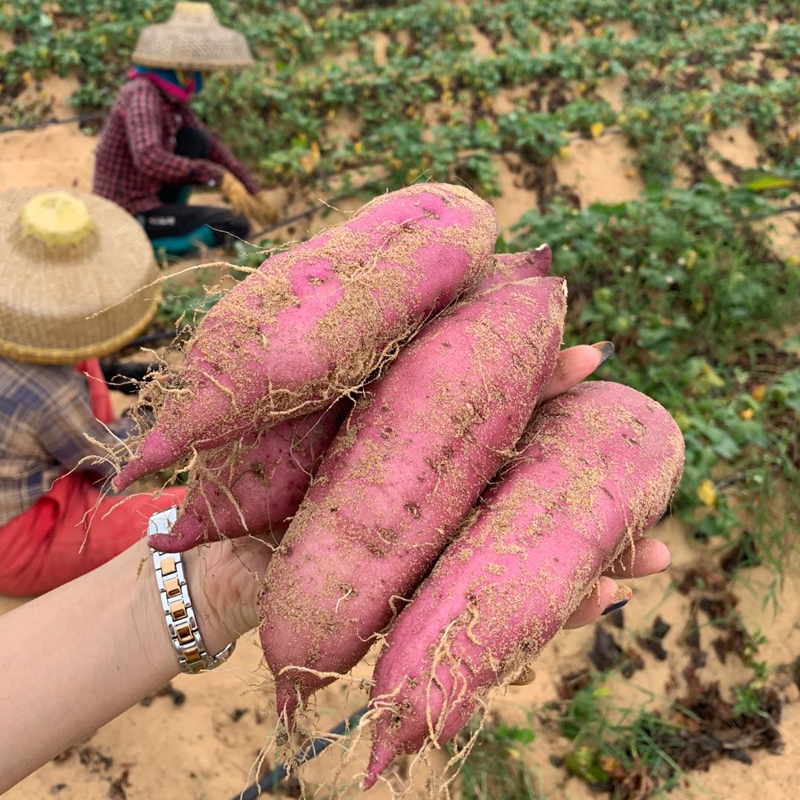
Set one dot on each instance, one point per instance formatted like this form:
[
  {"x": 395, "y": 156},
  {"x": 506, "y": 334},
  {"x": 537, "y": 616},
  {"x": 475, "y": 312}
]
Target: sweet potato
[
  {"x": 255, "y": 485},
  {"x": 510, "y": 267},
  {"x": 400, "y": 476},
  {"x": 599, "y": 466},
  {"x": 313, "y": 322}
]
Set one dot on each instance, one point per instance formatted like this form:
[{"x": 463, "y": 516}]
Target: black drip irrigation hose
[
  {"x": 272, "y": 779},
  {"x": 775, "y": 213},
  {"x": 151, "y": 338},
  {"x": 289, "y": 220},
  {"x": 43, "y": 123}
]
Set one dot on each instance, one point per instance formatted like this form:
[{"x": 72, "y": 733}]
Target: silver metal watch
[{"x": 177, "y": 604}]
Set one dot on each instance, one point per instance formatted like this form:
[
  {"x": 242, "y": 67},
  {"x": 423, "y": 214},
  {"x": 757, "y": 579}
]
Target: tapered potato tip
[
  {"x": 187, "y": 532},
  {"x": 286, "y": 699},
  {"x": 155, "y": 453},
  {"x": 130, "y": 473},
  {"x": 382, "y": 755}
]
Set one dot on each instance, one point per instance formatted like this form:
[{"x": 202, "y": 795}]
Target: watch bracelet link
[{"x": 179, "y": 614}]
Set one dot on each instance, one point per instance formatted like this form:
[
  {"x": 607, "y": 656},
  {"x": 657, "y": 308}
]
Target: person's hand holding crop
[
  {"x": 113, "y": 617},
  {"x": 235, "y": 192},
  {"x": 230, "y": 573},
  {"x": 394, "y": 494}
]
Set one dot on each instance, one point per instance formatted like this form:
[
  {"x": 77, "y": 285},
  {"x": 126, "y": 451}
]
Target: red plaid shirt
[{"x": 135, "y": 155}]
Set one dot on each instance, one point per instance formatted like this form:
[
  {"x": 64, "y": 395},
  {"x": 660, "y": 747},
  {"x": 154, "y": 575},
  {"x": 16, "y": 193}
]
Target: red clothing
[
  {"x": 135, "y": 154},
  {"x": 69, "y": 530}
]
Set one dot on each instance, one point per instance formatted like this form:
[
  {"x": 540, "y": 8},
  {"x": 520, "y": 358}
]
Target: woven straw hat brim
[
  {"x": 179, "y": 45},
  {"x": 66, "y": 304},
  {"x": 58, "y": 355}
]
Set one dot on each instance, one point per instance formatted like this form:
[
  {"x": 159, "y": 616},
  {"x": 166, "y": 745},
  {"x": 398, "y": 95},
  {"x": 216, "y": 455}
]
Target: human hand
[
  {"x": 648, "y": 557},
  {"x": 235, "y": 192},
  {"x": 225, "y": 578}
]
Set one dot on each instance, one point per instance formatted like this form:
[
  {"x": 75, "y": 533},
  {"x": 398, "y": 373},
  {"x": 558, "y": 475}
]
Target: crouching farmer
[
  {"x": 153, "y": 148},
  {"x": 72, "y": 264}
]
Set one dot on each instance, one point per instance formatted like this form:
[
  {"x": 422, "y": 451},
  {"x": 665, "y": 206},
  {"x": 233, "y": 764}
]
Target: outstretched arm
[{"x": 78, "y": 656}]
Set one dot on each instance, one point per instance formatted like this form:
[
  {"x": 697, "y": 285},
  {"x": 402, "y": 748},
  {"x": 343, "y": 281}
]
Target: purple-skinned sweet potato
[
  {"x": 510, "y": 267},
  {"x": 313, "y": 322},
  {"x": 400, "y": 476},
  {"x": 598, "y": 467},
  {"x": 256, "y": 485}
]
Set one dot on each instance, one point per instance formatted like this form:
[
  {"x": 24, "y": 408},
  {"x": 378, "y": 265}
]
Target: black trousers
[{"x": 177, "y": 227}]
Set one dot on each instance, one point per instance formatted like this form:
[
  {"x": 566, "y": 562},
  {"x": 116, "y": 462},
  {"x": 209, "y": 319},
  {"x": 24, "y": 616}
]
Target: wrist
[
  {"x": 151, "y": 636},
  {"x": 206, "y": 592}
]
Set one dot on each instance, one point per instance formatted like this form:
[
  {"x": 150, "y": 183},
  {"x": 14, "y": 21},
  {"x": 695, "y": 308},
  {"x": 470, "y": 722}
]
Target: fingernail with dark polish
[
  {"x": 606, "y": 351},
  {"x": 621, "y": 598},
  {"x": 615, "y": 606}
]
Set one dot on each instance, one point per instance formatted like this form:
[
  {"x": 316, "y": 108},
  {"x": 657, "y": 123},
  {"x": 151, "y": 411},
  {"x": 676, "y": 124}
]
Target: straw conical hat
[
  {"x": 192, "y": 39},
  {"x": 70, "y": 267}
]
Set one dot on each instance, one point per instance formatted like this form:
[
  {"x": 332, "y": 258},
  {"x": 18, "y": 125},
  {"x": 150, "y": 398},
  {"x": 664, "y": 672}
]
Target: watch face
[{"x": 162, "y": 521}]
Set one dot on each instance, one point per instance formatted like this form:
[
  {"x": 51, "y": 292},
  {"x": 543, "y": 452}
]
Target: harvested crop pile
[
  {"x": 312, "y": 323},
  {"x": 597, "y": 469},
  {"x": 449, "y": 352},
  {"x": 401, "y": 475}
]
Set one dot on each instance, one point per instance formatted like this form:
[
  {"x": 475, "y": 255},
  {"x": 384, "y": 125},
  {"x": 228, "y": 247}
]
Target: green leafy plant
[
  {"x": 318, "y": 60},
  {"x": 686, "y": 292},
  {"x": 496, "y": 769}
]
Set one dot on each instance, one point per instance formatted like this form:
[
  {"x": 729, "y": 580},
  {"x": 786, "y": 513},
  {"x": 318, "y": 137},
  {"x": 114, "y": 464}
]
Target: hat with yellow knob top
[
  {"x": 73, "y": 273},
  {"x": 192, "y": 39}
]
